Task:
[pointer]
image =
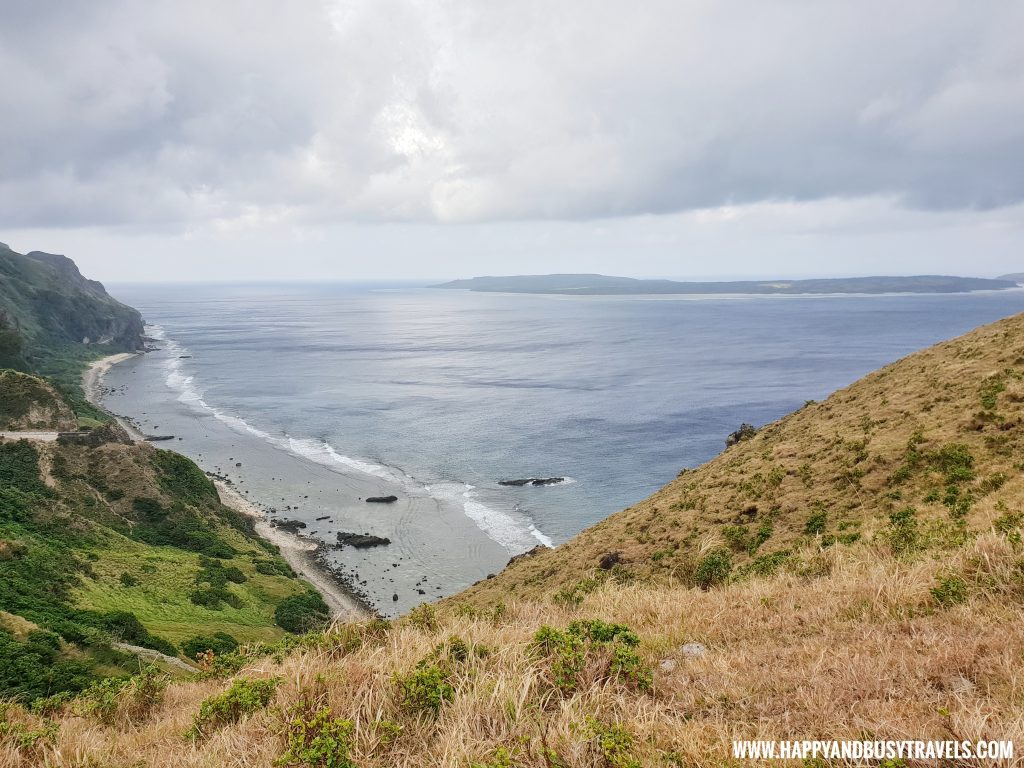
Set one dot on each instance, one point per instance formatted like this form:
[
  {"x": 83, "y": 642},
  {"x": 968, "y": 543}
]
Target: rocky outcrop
[
  {"x": 745, "y": 432},
  {"x": 30, "y": 403},
  {"x": 539, "y": 481},
  {"x": 381, "y": 499},
  {"x": 362, "y": 540}
]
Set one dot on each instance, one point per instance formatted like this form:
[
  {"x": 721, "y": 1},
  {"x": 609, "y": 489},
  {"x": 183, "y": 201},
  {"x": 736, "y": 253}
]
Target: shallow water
[{"x": 327, "y": 394}]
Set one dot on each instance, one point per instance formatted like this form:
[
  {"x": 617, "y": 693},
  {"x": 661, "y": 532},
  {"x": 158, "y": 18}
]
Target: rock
[
  {"x": 530, "y": 553},
  {"x": 289, "y": 525},
  {"x": 745, "y": 432},
  {"x": 693, "y": 650},
  {"x": 361, "y": 540},
  {"x": 394, "y": 597},
  {"x": 608, "y": 560},
  {"x": 533, "y": 481},
  {"x": 381, "y": 499},
  {"x": 668, "y": 666}
]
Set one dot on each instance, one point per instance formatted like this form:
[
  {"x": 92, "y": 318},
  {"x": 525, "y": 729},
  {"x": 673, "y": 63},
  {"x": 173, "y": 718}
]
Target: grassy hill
[
  {"x": 106, "y": 542},
  {"x": 853, "y": 571}
]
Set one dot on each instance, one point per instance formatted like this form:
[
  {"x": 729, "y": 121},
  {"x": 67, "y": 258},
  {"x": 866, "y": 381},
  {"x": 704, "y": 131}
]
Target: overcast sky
[{"x": 270, "y": 139}]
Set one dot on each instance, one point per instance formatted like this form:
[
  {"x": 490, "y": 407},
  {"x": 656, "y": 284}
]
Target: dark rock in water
[
  {"x": 609, "y": 560},
  {"x": 381, "y": 499},
  {"x": 533, "y": 481},
  {"x": 288, "y": 525},
  {"x": 362, "y": 540},
  {"x": 530, "y": 553},
  {"x": 325, "y": 517},
  {"x": 394, "y": 597},
  {"x": 158, "y": 438}
]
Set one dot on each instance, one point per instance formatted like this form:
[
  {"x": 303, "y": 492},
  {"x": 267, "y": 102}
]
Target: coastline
[{"x": 300, "y": 553}]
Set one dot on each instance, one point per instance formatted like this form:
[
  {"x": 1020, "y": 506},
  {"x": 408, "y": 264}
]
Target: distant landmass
[
  {"x": 1017, "y": 277},
  {"x": 605, "y": 285}
]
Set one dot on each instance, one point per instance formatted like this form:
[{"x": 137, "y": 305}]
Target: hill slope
[
  {"x": 45, "y": 298},
  {"x": 105, "y": 542},
  {"x": 866, "y": 583},
  {"x": 940, "y": 433}
]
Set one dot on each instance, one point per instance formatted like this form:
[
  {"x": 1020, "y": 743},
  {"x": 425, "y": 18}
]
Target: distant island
[
  {"x": 1016, "y": 277},
  {"x": 605, "y": 285}
]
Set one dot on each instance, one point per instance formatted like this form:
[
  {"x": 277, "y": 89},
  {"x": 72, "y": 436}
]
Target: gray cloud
[{"x": 174, "y": 114}]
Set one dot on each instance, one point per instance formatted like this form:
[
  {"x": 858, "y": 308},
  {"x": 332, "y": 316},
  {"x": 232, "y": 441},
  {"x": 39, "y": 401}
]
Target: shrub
[
  {"x": 128, "y": 580},
  {"x": 712, "y": 569},
  {"x": 220, "y": 643},
  {"x": 950, "y": 590},
  {"x": 124, "y": 699},
  {"x": 902, "y": 533},
  {"x": 243, "y": 698},
  {"x": 424, "y": 617},
  {"x": 316, "y": 739},
  {"x": 614, "y": 744},
  {"x": 816, "y": 523},
  {"x": 424, "y": 689},
  {"x": 302, "y": 613},
  {"x": 611, "y": 646}
]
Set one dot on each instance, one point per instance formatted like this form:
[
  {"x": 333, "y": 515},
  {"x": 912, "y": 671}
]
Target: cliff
[{"x": 52, "y": 307}]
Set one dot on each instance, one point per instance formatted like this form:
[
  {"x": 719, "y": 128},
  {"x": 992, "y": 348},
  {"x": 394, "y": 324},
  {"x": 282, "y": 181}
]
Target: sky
[{"x": 377, "y": 139}]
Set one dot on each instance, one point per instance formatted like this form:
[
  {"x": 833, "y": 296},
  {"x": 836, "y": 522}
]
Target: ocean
[{"x": 313, "y": 397}]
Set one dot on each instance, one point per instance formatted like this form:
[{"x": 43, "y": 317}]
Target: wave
[
  {"x": 503, "y": 528},
  {"x": 500, "y": 526}
]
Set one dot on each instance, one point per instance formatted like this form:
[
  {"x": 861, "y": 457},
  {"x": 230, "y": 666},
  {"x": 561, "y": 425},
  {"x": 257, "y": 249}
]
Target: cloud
[{"x": 180, "y": 113}]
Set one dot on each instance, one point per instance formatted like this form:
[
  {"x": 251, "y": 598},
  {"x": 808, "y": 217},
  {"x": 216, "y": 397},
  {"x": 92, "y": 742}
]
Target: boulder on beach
[
  {"x": 381, "y": 499},
  {"x": 361, "y": 540},
  {"x": 533, "y": 481},
  {"x": 288, "y": 525}
]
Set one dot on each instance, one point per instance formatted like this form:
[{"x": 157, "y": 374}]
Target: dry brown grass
[{"x": 864, "y": 649}]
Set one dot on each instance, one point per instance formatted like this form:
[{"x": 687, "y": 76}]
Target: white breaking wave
[{"x": 500, "y": 526}]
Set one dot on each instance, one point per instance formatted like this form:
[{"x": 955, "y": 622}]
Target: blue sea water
[{"x": 452, "y": 391}]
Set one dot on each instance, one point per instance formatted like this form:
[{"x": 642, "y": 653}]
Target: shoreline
[{"x": 300, "y": 553}]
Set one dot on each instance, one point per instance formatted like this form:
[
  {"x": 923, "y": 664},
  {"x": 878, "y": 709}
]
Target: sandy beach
[{"x": 300, "y": 553}]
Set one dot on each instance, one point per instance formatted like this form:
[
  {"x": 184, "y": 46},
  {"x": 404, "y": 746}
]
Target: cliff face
[
  {"x": 50, "y": 304},
  {"x": 30, "y": 403}
]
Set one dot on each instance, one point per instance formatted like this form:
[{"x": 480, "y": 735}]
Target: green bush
[
  {"x": 712, "y": 569},
  {"x": 317, "y": 739},
  {"x": 302, "y": 613},
  {"x": 569, "y": 653},
  {"x": 950, "y": 590},
  {"x": 220, "y": 643},
  {"x": 424, "y": 689},
  {"x": 243, "y": 698}
]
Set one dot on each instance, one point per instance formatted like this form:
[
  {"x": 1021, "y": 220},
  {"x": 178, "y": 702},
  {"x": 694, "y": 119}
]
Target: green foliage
[
  {"x": 220, "y": 643},
  {"x": 302, "y": 613},
  {"x": 903, "y": 533},
  {"x": 573, "y": 594},
  {"x": 243, "y": 698},
  {"x": 950, "y": 590},
  {"x": 816, "y": 523},
  {"x": 713, "y": 569},
  {"x": 34, "y": 668},
  {"x": 990, "y": 390},
  {"x": 569, "y": 652},
  {"x": 500, "y": 758},
  {"x": 317, "y": 739},
  {"x": 614, "y": 744},
  {"x": 127, "y": 580},
  {"x": 182, "y": 479},
  {"x": 19, "y": 469},
  {"x": 133, "y": 699},
  {"x": 424, "y": 617},
  {"x": 425, "y": 688}
]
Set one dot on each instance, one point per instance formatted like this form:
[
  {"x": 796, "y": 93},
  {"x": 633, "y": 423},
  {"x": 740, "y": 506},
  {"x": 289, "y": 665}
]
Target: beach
[{"x": 299, "y": 552}]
